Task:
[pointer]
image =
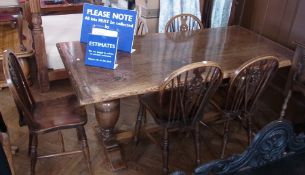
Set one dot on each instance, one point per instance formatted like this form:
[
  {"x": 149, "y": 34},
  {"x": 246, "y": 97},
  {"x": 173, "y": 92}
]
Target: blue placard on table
[
  {"x": 101, "y": 48},
  {"x": 119, "y": 20}
]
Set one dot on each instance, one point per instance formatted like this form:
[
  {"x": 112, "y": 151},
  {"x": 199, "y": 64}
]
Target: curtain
[
  {"x": 170, "y": 8},
  {"x": 220, "y": 13}
]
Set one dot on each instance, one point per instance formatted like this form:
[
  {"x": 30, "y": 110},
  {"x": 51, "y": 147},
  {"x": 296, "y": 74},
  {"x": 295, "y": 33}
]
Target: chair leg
[
  {"x": 61, "y": 138},
  {"x": 249, "y": 119},
  {"x": 79, "y": 136},
  {"x": 197, "y": 143},
  {"x": 165, "y": 151},
  {"x": 225, "y": 137},
  {"x": 284, "y": 106},
  {"x": 85, "y": 148},
  {"x": 141, "y": 113},
  {"x": 21, "y": 117},
  {"x": 144, "y": 116},
  {"x": 30, "y": 143},
  {"x": 34, "y": 143}
]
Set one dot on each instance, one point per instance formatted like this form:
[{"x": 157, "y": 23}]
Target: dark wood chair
[
  {"x": 183, "y": 22},
  {"x": 6, "y": 156},
  {"x": 47, "y": 116},
  {"x": 142, "y": 28},
  {"x": 296, "y": 77},
  {"x": 245, "y": 87},
  {"x": 180, "y": 102},
  {"x": 275, "y": 150}
]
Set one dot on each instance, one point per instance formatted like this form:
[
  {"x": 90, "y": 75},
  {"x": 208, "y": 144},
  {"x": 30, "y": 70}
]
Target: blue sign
[
  {"x": 119, "y": 20},
  {"x": 101, "y": 51}
]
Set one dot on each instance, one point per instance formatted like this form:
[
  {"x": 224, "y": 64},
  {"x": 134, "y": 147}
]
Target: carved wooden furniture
[
  {"x": 10, "y": 8},
  {"x": 183, "y": 22},
  {"x": 6, "y": 147},
  {"x": 296, "y": 77},
  {"x": 245, "y": 87},
  {"x": 155, "y": 57},
  {"x": 9, "y": 39},
  {"x": 275, "y": 150},
  {"x": 47, "y": 116},
  {"x": 180, "y": 102}
]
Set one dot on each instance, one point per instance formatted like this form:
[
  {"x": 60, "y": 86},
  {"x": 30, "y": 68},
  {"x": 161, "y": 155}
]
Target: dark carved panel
[{"x": 275, "y": 141}]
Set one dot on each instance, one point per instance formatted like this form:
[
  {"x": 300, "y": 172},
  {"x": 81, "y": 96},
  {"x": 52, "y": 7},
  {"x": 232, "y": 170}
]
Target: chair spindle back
[
  {"x": 142, "y": 28},
  {"x": 18, "y": 85},
  {"x": 183, "y": 22},
  {"x": 249, "y": 82},
  {"x": 187, "y": 91}
]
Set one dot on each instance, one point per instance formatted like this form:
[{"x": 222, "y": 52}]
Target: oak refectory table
[{"x": 155, "y": 57}]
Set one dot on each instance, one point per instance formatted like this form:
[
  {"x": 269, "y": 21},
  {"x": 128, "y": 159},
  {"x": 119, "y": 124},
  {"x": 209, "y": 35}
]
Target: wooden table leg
[{"x": 107, "y": 115}]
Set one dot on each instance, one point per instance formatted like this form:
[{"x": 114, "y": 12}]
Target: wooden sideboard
[
  {"x": 66, "y": 7},
  {"x": 9, "y": 39},
  {"x": 63, "y": 8}
]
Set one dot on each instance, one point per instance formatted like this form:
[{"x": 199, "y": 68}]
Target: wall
[{"x": 280, "y": 20}]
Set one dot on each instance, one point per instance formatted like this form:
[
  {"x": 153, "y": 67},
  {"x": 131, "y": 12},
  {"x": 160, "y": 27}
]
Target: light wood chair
[
  {"x": 46, "y": 116},
  {"x": 180, "y": 102},
  {"x": 183, "y": 22}
]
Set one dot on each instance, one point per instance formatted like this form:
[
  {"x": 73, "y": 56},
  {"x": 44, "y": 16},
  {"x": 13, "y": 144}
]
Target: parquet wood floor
[{"x": 144, "y": 158}]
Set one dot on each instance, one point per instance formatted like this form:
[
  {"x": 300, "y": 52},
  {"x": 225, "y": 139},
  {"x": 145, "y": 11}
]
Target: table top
[{"x": 159, "y": 54}]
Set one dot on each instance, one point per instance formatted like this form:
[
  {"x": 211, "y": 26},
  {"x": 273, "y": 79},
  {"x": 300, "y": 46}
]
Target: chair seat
[
  {"x": 60, "y": 113},
  {"x": 151, "y": 103},
  {"x": 159, "y": 112},
  {"x": 220, "y": 97},
  {"x": 298, "y": 86}
]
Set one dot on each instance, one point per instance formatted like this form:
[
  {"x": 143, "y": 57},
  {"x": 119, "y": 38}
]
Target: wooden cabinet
[
  {"x": 9, "y": 40},
  {"x": 62, "y": 6}
]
